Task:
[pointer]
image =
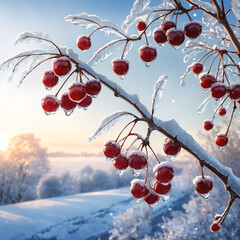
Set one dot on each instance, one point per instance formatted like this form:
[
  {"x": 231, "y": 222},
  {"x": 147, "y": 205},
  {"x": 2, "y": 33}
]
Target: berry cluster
[{"x": 79, "y": 94}]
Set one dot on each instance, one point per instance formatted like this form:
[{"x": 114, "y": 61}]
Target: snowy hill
[{"x": 81, "y": 216}]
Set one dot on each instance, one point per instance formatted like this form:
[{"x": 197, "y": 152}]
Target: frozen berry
[
  {"x": 76, "y": 91},
  {"x": 139, "y": 188},
  {"x": 50, "y": 104},
  {"x": 218, "y": 90},
  {"x": 207, "y": 80},
  {"x": 203, "y": 185},
  {"x": 151, "y": 198},
  {"x": 197, "y": 68},
  {"x": 111, "y": 149},
  {"x": 120, "y": 162},
  {"x": 147, "y": 53},
  {"x": 208, "y": 125},
  {"x": 84, "y": 42},
  {"x": 193, "y": 29},
  {"x": 93, "y": 87},
  {"x": 163, "y": 172},
  {"x": 221, "y": 139},
  {"x": 162, "y": 189},
  {"x": 141, "y": 25},
  {"x": 222, "y": 111},
  {"x": 61, "y": 66},
  {"x": 66, "y": 103},
  {"x": 137, "y": 160},
  {"x": 120, "y": 66},
  {"x": 159, "y": 36},
  {"x": 175, "y": 37},
  {"x": 49, "y": 79},
  {"x": 166, "y": 25},
  {"x": 86, "y": 102},
  {"x": 171, "y": 148},
  {"x": 215, "y": 227},
  {"x": 234, "y": 91}
]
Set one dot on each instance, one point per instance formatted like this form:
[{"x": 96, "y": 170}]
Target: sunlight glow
[{"x": 3, "y": 142}]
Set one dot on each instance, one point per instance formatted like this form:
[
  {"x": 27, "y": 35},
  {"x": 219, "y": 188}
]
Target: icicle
[
  {"x": 68, "y": 112},
  {"x": 205, "y": 196},
  {"x": 138, "y": 200},
  {"x": 165, "y": 198},
  {"x": 120, "y": 172},
  {"x": 152, "y": 206},
  {"x": 147, "y": 64},
  {"x": 171, "y": 157},
  {"x": 136, "y": 172}
]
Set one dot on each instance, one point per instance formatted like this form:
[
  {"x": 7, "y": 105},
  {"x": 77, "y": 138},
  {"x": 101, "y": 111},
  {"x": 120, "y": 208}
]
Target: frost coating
[
  {"x": 26, "y": 37},
  {"x": 194, "y": 21},
  {"x": 137, "y": 153},
  {"x": 113, "y": 143},
  {"x": 138, "y": 181},
  {"x": 163, "y": 164},
  {"x": 198, "y": 179},
  {"x": 203, "y": 105}
]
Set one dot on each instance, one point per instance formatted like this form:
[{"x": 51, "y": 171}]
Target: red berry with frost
[
  {"x": 141, "y": 25},
  {"x": 76, "y": 91},
  {"x": 61, "y": 66},
  {"x": 163, "y": 172},
  {"x": 137, "y": 160},
  {"x": 222, "y": 111},
  {"x": 175, "y": 37},
  {"x": 234, "y": 91},
  {"x": 218, "y": 90},
  {"x": 66, "y": 103},
  {"x": 148, "y": 53},
  {"x": 162, "y": 189},
  {"x": 93, "y": 87},
  {"x": 120, "y": 162},
  {"x": 221, "y": 139},
  {"x": 197, "y": 68},
  {"x": 167, "y": 25},
  {"x": 151, "y": 198},
  {"x": 120, "y": 66},
  {"x": 49, "y": 79},
  {"x": 203, "y": 185},
  {"x": 171, "y": 148},
  {"x": 215, "y": 227},
  {"x": 217, "y": 216},
  {"x": 86, "y": 102},
  {"x": 193, "y": 29},
  {"x": 111, "y": 149},
  {"x": 50, "y": 103},
  {"x": 84, "y": 42},
  {"x": 159, "y": 36},
  {"x": 138, "y": 188},
  {"x": 207, "y": 80},
  {"x": 208, "y": 125}
]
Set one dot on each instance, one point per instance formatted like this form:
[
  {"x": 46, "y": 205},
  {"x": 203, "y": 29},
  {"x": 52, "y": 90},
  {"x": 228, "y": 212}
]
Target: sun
[{"x": 3, "y": 142}]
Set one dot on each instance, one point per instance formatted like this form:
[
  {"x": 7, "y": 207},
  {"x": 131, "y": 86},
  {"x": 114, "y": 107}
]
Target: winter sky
[{"x": 21, "y": 110}]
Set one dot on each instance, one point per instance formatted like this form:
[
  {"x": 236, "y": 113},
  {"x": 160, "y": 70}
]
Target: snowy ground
[{"x": 81, "y": 216}]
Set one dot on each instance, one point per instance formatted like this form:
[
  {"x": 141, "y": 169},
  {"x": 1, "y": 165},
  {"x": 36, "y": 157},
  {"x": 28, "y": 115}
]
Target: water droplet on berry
[
  {"x": 47, "y": 113},
  {"x": 138, "y": 200},
  {"x": 48, "y": 88},
  {"x": 206, "y": 90},
  {"x": 152, "y": 206},
  {"x": 220, "y": 148},
  {"x": 85, "y": 108},
  {"x": 93, "y": 96},
  {"x": 175, "y": 47},
  {"x": 109, "y": 159},
  {"x": 171, "y": 157},
  {"x": 147, "y": 64},
  {"x": 205, "y": 196},
  {"x": 68, "y": 112},
  {"x": 121, "y": 76},
  {"x": 136, "y": 172},
  {"x": 120, "y": 172},
  {"x": 165, "y": 198}
]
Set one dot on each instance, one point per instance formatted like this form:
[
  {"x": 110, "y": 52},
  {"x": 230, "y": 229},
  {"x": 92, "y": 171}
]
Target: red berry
[
  {"x": 221, "y": 140},
  {"x": 93, "y": 87},
  {"x": 76, "y": 91},
  {"x": 151, "y": 198},
  {"x": 208, "y": 125},
  {"x": 197, "y": 67},
  {"x": 84, "y": 42},
  {"x": 238, "y": 101},
  {"x": 111, "y": 149},
  {"x": 86, "y": 102},
  {"x": 162, "y": 189},
  {"x": 218, "y": 90},
  {"x": 120, "y": 162},
  {"x": 203, "y": 185},
  {"x": 163, "y": 172},
  {"x": 50, "y": 104},
  {"x": 137, "y": 160},
  {"x": 139, "y": 188},
  {"x": 193, "y": 29},
  {"x": 222, "y": 111},
  {"x": 147, "y": 53},
  {"x": 61, "y": 66},
  {"x": 120, "y": 66},
  {"x": 234, "y": 91},
  {"x": 207, "y": 80},
  {"x": 171, "y": 148},
  {"x": 175, "y": 37},
  {"x": 167, "y": 25},
  {"x": 66, "y": 103},
  {"x": 217, "y": 216},
  {"x": 215, "y": 227},
  {"x": 141, "y": 25},
  {"x": 49, "y": 79},
  {"x": 159, "y": 36}
]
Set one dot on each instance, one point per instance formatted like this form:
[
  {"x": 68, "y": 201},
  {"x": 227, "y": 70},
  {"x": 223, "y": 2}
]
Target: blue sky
[{"x": 21, "y": 110}]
